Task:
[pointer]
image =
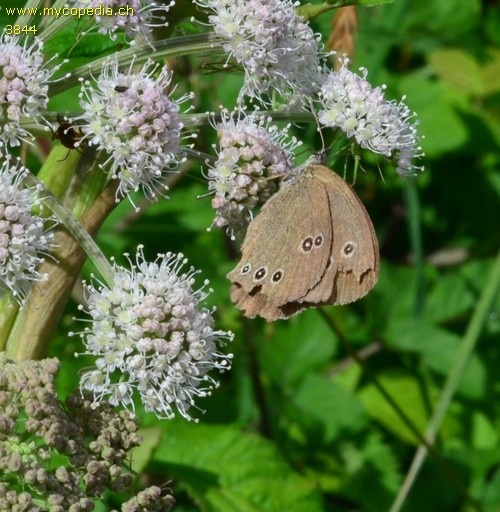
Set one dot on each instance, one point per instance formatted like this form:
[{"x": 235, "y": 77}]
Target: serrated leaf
[{"x": 225, "y": 469}]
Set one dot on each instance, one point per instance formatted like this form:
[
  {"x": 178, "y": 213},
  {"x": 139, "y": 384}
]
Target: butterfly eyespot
[
  {"x": 260, "y": 274},
  {"x": 348, "y": 249},
  {"x": 318, "y": 240},
  {"x": 307, "y": 244},
  {"x": 277, "y": 276},
  {"x": 245, "y": 269}
]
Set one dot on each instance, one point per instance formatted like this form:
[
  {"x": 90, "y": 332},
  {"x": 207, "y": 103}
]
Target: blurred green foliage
[{"x": 298, "y": 425}]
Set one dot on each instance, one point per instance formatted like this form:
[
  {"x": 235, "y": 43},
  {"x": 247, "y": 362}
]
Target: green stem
[
  {"x": 462, "y": 359},
  {"x": 8, "y": 312},
  {"x": 450, "y": 473},
  {"x": 51, "y": 25},
  {"x": 44, "y": 305},
  {"x": 27, "y": 18},
  {"x": 415, "y": 233},
  {"x": 183, "y": 45},
  {"x": 74, "y": 227}
]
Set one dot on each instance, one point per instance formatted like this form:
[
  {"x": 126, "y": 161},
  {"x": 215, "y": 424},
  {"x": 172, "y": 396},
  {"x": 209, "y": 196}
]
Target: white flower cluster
[
  {"x": 152, "y": 335},
  {"x": 24, "y": 236},
  {"x": 277, "y": 49},
  {"x": 350, "y": 103},
  {"x": 131, "y": 117},
  {"x": 253, "y": 155},
  {"x": 24, "y": 82}
]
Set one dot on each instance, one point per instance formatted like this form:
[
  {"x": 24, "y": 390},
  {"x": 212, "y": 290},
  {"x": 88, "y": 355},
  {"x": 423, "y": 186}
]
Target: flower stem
[{"x": 462, "y": 359}]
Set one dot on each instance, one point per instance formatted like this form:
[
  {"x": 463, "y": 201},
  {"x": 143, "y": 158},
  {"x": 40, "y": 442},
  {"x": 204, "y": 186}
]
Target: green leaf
[
  {"x": 302, "y": 344},
  {"x": 394, "y": 300},
  {"x": 326, "y": 403},
  {"x": 451, "y": 297},
  {"x": 491, "y": 73},
  {"x": 310, "y": 11},
  {"x": 374, "y": 477},
  {"x": 484, "y": 433},
  {"x": 227, "y": 470},
  {"x": 458, "y": 69},
  {"x": 443, "y": 17},
  {"x": 141, "y": 455},
  {"x": 407, "y": 393},
  {"x": 438, "y": 348},
  {"x": 69, "y": 43},
  {"x": 438, "y": 106},
  {"x": 492, "y": 493}
]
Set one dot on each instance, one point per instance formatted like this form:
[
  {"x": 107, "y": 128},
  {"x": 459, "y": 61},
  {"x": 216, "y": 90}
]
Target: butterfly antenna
[{"x": 322, "y": 153}]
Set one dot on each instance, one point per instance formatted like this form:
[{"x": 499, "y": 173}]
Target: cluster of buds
[{"x": 62, "y": 454}]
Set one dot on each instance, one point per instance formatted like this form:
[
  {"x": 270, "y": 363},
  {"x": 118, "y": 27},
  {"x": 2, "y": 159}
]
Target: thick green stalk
[
  {"x": 42, "y": 309},
  {"x": 72, "y": 183},
  {"x": 174, "y": 47}
]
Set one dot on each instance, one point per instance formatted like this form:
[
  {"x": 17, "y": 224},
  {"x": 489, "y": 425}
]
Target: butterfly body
[{"x": 311, "y": 244}]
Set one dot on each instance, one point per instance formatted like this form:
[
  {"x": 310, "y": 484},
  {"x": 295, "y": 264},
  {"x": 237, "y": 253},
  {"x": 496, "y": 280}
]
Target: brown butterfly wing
[
  {"x": 286, "y": 249},
  {"x": 354, "y": 265}
]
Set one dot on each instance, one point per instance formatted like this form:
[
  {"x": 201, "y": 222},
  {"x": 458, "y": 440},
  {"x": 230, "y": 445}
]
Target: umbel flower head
[
  {"x": 25, "y": 237},
  {"x": 132, "y": 118},
  {"x": 24, "y": 79},
  {"x": 62, "y": 455},
  {"x": 253, "y": 154},
  {"x": 277, "y": 49},
  {"x": 152, "y": 336},
  {"x": 135, "y": 17},
  {"x": 350, "y": 103}
]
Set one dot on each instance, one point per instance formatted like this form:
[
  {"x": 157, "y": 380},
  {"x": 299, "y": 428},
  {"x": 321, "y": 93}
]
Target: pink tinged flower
[
  {"x": 131, "y": 118},
  {"x": 350, "y": 103},
  {"x": 253, "y": 155},
  {"x": 24, "y": 81},
  {"x": 25, "y": 238},
  {"x": 152, "y": 337},
  {"x": 277, "y": 49}
]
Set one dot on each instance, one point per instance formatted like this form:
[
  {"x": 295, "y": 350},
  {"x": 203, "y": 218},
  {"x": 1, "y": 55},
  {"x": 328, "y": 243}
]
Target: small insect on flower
[
  {"x": 128, "y": 115},
  {"x": 68, "y": 135}
]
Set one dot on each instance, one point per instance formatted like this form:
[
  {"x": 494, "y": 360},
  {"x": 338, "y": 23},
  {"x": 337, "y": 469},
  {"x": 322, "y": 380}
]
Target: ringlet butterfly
[{"x": 312, "y": 244}]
